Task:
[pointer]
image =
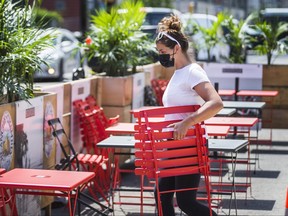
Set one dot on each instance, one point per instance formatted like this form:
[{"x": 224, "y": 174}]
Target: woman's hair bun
[{"x": 170, "y": 24}]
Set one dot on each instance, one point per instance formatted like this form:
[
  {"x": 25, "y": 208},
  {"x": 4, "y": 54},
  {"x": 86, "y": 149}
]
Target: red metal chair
[
  {"x": 91, "y": 101},
  {"x": 286, "y": 198},
  {"x": 72, "y": 160},
  {"x": 93, "y": 123},
  {"x": 92, "y": 129},
  {"x": 159, "y": 86},
  {"x": 159, "y": 155}
]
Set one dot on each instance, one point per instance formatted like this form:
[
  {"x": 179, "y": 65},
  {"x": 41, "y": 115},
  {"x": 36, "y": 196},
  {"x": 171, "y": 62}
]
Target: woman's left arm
[{"x": 213, "y": 104}]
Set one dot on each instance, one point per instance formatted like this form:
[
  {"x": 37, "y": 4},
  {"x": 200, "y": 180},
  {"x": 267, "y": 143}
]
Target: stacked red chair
[
  {"x": 92, "y": 130},
  {"x": 91, "y": 133},
  {"x": 93, "y": 123},
  {"x": 159, "y": 86},
  {"x": 158, "y": 155},
  {"x": 106, "y": 122},
  {"x": 103, "y": 122}
]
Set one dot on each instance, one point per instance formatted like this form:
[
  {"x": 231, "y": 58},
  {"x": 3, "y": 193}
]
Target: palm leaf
[
  {"x": 21, "y": 42},
  {"x": 118, "y": 43}
]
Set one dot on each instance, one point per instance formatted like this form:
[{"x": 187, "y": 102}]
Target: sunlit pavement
[{"x": 269, "y": 183}]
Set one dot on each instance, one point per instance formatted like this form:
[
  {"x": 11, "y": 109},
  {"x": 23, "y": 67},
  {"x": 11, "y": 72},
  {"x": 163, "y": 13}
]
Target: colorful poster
[
  {"x": 49, "y": 154},
  {"x": 57, "y": 111},
  {"x": 29, "y": 153},
  {"x": 7, "y": 137}
]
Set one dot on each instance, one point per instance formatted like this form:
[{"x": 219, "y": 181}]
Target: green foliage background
[{"x": 157, "y": 3}]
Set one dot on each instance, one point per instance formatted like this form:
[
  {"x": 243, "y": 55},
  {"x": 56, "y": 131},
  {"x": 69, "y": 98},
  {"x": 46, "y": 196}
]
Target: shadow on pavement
[
  {"x": 266, "y": 205},
  {"x": 259, "y": 174},
  {"x": 270, "y": 151}
]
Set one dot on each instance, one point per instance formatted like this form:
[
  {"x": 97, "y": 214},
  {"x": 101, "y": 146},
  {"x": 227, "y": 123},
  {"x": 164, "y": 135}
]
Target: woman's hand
[{"x": 180, "y": 130}]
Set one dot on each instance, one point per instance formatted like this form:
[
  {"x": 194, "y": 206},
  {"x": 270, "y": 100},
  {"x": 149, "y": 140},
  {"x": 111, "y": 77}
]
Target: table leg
[
  {"x": 234, "y": 190},
  {"x": 72, "y": 205},
  {"x": 248, "y": 179},
  {"x": 3, "y": 209},
  {"x": 14, "y": 208}
]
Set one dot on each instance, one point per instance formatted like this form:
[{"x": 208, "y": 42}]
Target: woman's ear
[{"x": 177, "y": 48}]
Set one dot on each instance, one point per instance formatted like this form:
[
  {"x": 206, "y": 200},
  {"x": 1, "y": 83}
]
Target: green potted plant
[
  {"x": 115, "y": 39},
  {"x": 21, "y": 42},
  {"x": 233, "y": 39},
  {"x": 118, "y": 45},
  {"x": 206, "y": 36},
  {"x": 264, "y": 37}
]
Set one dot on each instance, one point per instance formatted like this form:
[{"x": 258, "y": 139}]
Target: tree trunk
[
  {"x": 269, "y": 57},
  {"x": 209, "y": 57}
]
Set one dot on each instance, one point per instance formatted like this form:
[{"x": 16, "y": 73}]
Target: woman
[{"x": 188, "y": 85}]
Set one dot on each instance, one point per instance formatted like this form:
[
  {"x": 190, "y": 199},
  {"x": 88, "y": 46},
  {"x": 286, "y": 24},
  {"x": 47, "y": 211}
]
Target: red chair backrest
[
  {"x": 157, "y": 153},
  {"x": 91, "y": 101}
]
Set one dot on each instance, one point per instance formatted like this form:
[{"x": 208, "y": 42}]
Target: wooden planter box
[
  {"x": 115, "y": 91},
  {"x": 275, "y": 77},
  {"x": 152, "y": 71},
  {"x": 123, "y": 112}
]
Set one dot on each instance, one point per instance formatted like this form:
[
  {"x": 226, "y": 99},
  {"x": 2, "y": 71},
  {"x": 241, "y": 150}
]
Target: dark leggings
[{"x": 186, "y": 200}]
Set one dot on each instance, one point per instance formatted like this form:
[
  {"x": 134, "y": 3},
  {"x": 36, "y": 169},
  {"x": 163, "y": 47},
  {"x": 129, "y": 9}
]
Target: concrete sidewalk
[{"x": 269, "y": 183}]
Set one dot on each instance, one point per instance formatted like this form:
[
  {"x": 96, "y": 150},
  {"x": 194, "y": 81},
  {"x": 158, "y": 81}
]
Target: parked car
[
  {"x": 218, "y": 53},
  {"x": 154, "y": 16},
  {"x": 63, "y": 57}
]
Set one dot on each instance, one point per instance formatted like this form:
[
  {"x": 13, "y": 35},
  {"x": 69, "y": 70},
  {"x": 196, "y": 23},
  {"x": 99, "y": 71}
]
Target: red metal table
[
  {"x": 45, "y": 182},
  {"x": 121, "y": 129},
  {"x": 237, "y": 122},
  {"x": 222, "y": 112},
  {"x": 232, "y": 121},
  {"x": 231, "y": 146},
  {"x": 257, "y": 93},
  {"x": 128, "y": 129},
  {"x": 269, "y": 98},
  {"x": 226, "y": 92}
]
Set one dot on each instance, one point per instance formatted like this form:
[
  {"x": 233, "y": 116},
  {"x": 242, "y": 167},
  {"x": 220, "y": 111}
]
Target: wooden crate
[
  {"x": 279, "y": 101},
  {"x": 152, "y": 71},
  {"x": 123, "y": 112},
  {"x": 280, "y": 118},
  {"x": 275, "y": 77},
  {"x": 115, "y": 91},
  {"x": 93, "y": 87},
  {"x": 67, "y": 98}
]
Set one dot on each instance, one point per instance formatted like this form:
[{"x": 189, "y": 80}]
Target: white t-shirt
[{"x": 180, "y": 89}]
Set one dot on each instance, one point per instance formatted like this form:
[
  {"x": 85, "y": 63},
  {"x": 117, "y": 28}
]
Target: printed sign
[{"x": 250, "y": 75}]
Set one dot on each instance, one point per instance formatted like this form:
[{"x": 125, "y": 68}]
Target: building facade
[{"x": 76, "y": 13}]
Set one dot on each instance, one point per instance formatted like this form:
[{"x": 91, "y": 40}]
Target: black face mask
[{"x": 165, "y": 61}]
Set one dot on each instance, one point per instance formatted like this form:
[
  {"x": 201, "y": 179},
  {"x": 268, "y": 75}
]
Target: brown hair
[{"x": 172, "y": 26}]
